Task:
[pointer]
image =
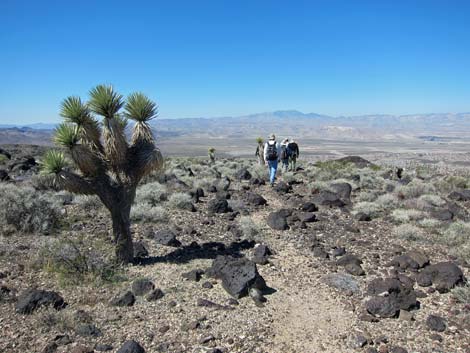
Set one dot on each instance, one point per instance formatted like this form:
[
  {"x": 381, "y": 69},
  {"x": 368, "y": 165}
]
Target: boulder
[
  {"x": 462, "y": 195},
  {"x": 166, "y": 237},
  {"x": 196, "y": 194},
  {"x": 436, "y": 323},
  {"x": 389, "y": 295},
  {"x": 125, "y": 299},
  {"x": 255, "y": 199},
  {"x": 261, "y": 254},
  {"x": 282, "y": 187},
  {"x": 193, "y": 275},
  {"x": 306, "y": 217},
  {"x": 442, "y": 214},
  {"x": 88, "y": 330},
  {"x": 131, "y": 347},
  {"x": 444, "y": 276},
  {"x": 309, "y": 207},
  {"x": 343, "y": 190},
  {"x": 223, "y": 195},
  {"x": 278, "y": 220},
  {"x": 142, "y": 286},
  {"x": 348, "y": 259},
  {"x": 238, "y": 275},
  {"x": 411, "y": 260},
  {"x": 342, "y": 282},
  {"x": 155, "y": 295},
  {"x": 32, "y": 299},
  {"x": 328, "y": 198},
  {"x": 243, "y": 174},
  {"x": 218, "y": 206}
]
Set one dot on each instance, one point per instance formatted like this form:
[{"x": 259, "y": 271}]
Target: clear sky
[{"x": 226, "y": 58}]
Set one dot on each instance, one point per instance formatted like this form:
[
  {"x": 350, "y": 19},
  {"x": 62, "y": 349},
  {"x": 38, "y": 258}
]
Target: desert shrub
[
  {"x": 408, "y": 232},
  {"x": 366, "y": 196},
  {"x": 289, "y": 177},
  {"x": 429, "y": 223},
  {"x": 330, "y": 170},
  {"x": 179, "y": 200},
  {"x": 415, "y": 189},
  {"x": 204, "y": 183},
  {"x": 26, "y": 210},
  {"x": 462, "y": 294},
  {"x": 317, "y": 186},
  {"x": 370, "y": 209},
  {"x": 452, "y": 182},
  {"x": 49, "y": 319},
  {"x": 461, "y": 252},
  {"x": 429, "y": 200},
  {"x": 402, "y": 215},
  {"x": 457, "y": 234},
  {"x": 3, "y": 159},
  {"x": 75, "y": 261},
  {"x": 88, "y": 202},
  {"x": 387, "y": 201},
  {"x": 248, "y": 227},
  {"x": 145, "y": 212},
  {"x": 370, "y": 180},
  {"x": 151, "y": 193},
  {"x": 236, "y": 204},
  {"x": 259, "y": 171}
]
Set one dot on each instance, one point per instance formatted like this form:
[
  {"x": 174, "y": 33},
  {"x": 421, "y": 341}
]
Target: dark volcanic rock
[
  {"x": 306, "y": 217},
  {"x": 243, "y": 174},
  {"x": 358, "y": 162},
  {"x": 131, "y": 347},
  {"x": 282, "y": 187},
  {"x": 389, "y": 296},
  {"x": 140, "y": 250},
  {"x": 261, "y": 254},
  {"x": 442, "y": 214},
  {"x": 328, "y": 198},
  {"x": 343, "y": 190},
  {"x": 193, "y": 275},
  {"x": 278, "y": 220},
  {"x": 462, "y": 195},
  {"x": 362, "y": 217},
  {"x": 309, "y": 207},
  {"x": 126, "y": 299},
  {"x": 436, "y": 323},
  {"x": 142, "y": 286},
  {"x": 32, "y": 299},
  {"x": 354, "y": 269},
  {"x": 88, "y": 330},
  {"x": 255, "y": 199},
  {"x": 412, "y": 259},
  {"x": 166, "y": 237},
  {"x": 444, "y": 276},
  {"x": 238, "y": 275},
  {"x": 223, "y": 195},
  {"x": 155, "y": 295},
  {"x": 348, "y": 259},
  {"x": 218, "y": 206}
]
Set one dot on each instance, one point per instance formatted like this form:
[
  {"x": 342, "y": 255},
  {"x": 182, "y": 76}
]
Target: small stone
[
  {"x": 164, "y": 328},
  {"x": 142, "y": 286},
  {"x": 155, "y": 295},
  {"x": 126, "y": 299},
  {"x": 406, "y": 315},
  {"x": 193, "y": 275},
  {"x": 435, "y": 323},
  {"x": 206, "y": 339},
  {"x": 207, "y": 285},
  {"x": 50, "y": 348},
  {"x": 88, "y": 330},
  {"x": 131, "y": 347},
  {"x": 103, "y": 347}
]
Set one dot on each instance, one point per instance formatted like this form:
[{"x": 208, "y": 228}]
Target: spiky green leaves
[
  {"x": 105, "y": 101},
  {"x": 140, "y": 108},
  {"x": 66, "y": 135},
  {"x": 259, "y": 140},
  {"x": 74, "y": 111},
  {"x": 53, "y": 162}
]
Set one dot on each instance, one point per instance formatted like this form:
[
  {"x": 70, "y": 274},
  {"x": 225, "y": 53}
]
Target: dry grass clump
[
  {"x": 367, "y": 196},
  {"x": 27, "y": 210},
  {"x": 388, "y": 201},
  {"x": 402, "y": 215},
  {"x": 179, "y": 200},
  {"x": 430, "y": 223},
  {"x": 145, "y": 213},
  {"x": 457, "y": 234},
  {"x": 451, "y": 183},
  {"x": 370, "y": 180},
  {"x": 370, "y": 209},
  {"x": 248, "y": 227},
  {"x": 88, "y": 202},
  {"x": 415, "y": 189},
  {"x": 462, "y": 294},
  {"x": 428, "y": 200},
  {"x": 409, "y": 232}
]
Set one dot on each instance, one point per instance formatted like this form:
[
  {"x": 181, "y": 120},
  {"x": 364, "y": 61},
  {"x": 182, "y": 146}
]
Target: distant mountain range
[{"x": 286, "y": 123}]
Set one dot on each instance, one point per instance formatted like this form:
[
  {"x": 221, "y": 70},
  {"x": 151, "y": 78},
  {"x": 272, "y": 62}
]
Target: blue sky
[{"x": 227, "y": 58}]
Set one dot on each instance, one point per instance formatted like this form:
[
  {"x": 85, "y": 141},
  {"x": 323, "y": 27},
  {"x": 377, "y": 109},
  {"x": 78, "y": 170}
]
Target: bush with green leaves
[
  {"x": 104, "y": 162},
  {"x": 415, "y": 189},
  {"x": 151, "y": 193},
  {"x": 457, "y": 234},
  {"x": 370, "y": 209},
  {"x": 26, "y": 210}
]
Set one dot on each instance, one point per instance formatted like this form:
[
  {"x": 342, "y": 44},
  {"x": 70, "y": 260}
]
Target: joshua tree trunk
[
  {"x": 122, "y": 235},
  {"x": 261, "y": 154}
]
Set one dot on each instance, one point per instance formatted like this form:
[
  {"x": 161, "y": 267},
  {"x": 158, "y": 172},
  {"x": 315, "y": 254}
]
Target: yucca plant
[
  {"x": 103, "y": 161},
  {"x": 211, "y": 151}
]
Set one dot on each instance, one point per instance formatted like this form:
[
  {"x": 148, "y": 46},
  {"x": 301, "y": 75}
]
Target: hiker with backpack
[
  {"x": 272, "y": 152},
  {"x": 284, "y": 155},
  {"x": 293, "y": 153}
]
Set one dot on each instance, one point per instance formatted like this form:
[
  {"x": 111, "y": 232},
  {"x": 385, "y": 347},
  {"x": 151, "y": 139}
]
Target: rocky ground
[{"x": 322, "y": 262}]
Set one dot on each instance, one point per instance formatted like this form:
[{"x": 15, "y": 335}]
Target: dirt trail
[{"x": 308, "y": 316}]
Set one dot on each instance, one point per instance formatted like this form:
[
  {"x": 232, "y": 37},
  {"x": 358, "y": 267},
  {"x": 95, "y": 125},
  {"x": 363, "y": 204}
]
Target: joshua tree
[
  {"x": 212, "y": 154},
  {"x": 260, "y": 150},
  {"x": 107, "y": 165}
]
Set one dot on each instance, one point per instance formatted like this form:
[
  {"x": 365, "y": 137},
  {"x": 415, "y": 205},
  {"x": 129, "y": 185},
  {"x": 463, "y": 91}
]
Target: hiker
[
  {"x": 260, "y": 150},
  {"x": 293, "y": 153},
  {"x": 284, "y": 155},
  {"x": 272, "y": 152}
]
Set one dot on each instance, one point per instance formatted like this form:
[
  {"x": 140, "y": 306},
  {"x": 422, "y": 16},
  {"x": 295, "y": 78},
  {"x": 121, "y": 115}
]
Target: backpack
[
  {"x": 284, "y": 154},
  {"x": 292, "y": 149},
  {"x": 272, "y": 152}
]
